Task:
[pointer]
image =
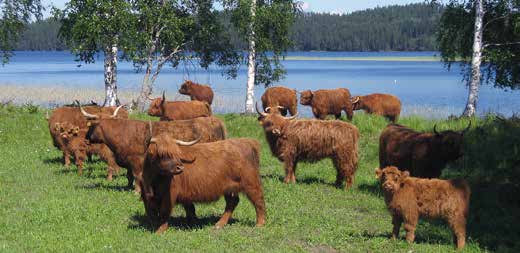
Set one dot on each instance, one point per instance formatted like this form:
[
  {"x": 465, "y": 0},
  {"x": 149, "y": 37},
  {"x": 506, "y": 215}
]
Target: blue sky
[{"x": 335, "y": 6}]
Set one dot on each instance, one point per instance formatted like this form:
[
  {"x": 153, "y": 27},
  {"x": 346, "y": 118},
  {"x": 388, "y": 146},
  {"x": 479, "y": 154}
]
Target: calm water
[{"x": 425, "y": 88}]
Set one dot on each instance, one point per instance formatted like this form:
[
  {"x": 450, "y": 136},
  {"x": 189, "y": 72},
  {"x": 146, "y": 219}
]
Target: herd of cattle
[{"x": 186, "y": 157}]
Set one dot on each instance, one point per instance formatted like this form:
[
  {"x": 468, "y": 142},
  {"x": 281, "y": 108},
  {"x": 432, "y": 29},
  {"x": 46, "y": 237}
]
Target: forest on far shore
[{"x": 394, "y": 28}]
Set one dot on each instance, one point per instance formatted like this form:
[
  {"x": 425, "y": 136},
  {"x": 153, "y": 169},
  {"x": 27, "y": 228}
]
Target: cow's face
[
  {"x": 165, "y": 157},
  {"x": 450, "y": 144},
  {"x": 186, "y": 88},
  {"x": 357, "y": 103},
  {"x": 391, "y": 178},
  {"x": 66, "y": 130},
  {"x": 273, "y": 123},
  {"x": 95, "y": 132},
  {"x": 156, "y": 107},
  {"x": 306, "y": 97}
]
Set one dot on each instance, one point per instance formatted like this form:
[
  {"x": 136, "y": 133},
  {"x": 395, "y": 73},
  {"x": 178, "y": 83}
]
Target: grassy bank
[{"x": 45, "y": 207}]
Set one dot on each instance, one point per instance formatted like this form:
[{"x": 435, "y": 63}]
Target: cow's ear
[
  {"x": 405, "y": 174},
  {"x": 379, "y": 173},
  {"x": 187, "y": 157}
]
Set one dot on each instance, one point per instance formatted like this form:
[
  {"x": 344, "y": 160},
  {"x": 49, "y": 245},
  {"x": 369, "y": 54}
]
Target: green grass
[{"x": 45, "y": 207}]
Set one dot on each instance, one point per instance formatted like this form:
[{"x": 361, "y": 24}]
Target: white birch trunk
[
  {"x": 471, "y": 105},
  {"x": 111, "y": 76},
  {"x": 146, "y": 88},
  {"x": 250, "y": 95}
]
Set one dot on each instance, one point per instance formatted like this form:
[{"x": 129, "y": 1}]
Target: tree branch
[{"x": 501, "y": 44}]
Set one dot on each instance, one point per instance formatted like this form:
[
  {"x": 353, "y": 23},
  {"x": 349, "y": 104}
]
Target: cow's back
[{"x": 183, "y": 110}]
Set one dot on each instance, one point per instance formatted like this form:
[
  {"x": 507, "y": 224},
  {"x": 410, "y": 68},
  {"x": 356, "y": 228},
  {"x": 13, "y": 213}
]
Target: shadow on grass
[
  {"x": 373, "y": 189},
  {"x": 102, "y": 186},
  {"x": 300, "y": 180},
  {"x": 180, "y": 223},
  {"x": 54, "y": 160}
]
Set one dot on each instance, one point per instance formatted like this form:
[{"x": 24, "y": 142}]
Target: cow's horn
[
  {"x": 163, "y": 95},
  {"x": 292, "y": 117},
  {"x": 280, "y": 107},
  {"x": 88, "y": 115},
  {"x": 435, "y": 129},
  {"x": 267, "y": 109},
  {"x": 467, "y": 128},
  {"x": 184, "y": 143},
  {"x": 356, "y": 99},
  {"x": 116, "y": 111},
  {"x": 150, "y": 126},
  {"x": 258, "y": 111},
  {"x": 153, "y": 140}
]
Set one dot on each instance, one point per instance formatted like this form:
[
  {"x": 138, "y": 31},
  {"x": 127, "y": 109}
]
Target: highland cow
[
  {"x": 177, "y": 172},
  {"x": 197, "y": 92},
  {"x": 178, "y": 110},
  {"x": 422, "y": 154},
  {"x": 280, "y": 99},
  {"x": 73, "y": 115},
  {"x": 328, "y": 102},
  {"x": 384, "y": 105},
  {"x": 409, "y": 198},
  {"x": 74, "y": 139},
  {"x": 128, "y": 139},
  {"x": 292, "y": 141}
]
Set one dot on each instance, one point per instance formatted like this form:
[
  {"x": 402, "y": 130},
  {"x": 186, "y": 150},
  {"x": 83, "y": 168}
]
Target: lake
[{"x": 423, "y": 84}]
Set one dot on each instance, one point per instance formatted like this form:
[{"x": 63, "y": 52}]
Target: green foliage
[
  {"x": 15, "y": 14},
  {"x": 501, "y": 39},
  {"x": 46, "y": 207}
]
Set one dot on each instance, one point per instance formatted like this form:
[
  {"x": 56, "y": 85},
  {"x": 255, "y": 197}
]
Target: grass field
[{"x": 45, "y": 207}]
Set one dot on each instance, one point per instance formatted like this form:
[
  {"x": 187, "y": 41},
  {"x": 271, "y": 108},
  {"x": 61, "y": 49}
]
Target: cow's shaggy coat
[
  {"x": 328, "y": 102},
  {"x": 178, "y": 110},
  {"x": 280, "y": 99},
  {"x": 197, "y": 91},
  {"x": 385, "y": 105}
]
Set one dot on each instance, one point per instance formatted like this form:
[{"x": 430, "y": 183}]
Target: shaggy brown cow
[
  {"x": 197, "y": 91},
  {"x": 176, "y": 172},
  {"x": 384, "y": 105},
  {"x": 128, "y": 139},
  {"x": 178, "y": 110},
  {"x": 328, "y": 102},
  {"x": 423, "y": 154},
  {"x": 280, "y": 99},
  {"x": 74, "y": 139},
  {"x": 312, "y": 140},
  {"x": 73, "y": 115},
  {"x": 409, "y": 198}
]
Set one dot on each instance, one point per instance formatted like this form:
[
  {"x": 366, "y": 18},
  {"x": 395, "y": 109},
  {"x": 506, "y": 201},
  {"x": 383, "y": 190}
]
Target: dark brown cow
[
  {"x": 73, "y": 115},
  {"x": 328, "y": 102},
  {"x": 385, "y": 105},
  {"x": 176, "y": 172},
  {"x": 280, "y": 99},
  {"x": 128, "y": 139},
  {"x": 292, "y": 141},
  {"x": 423, "y": 154},
  {"x": 197, "y": 91},
  {"x": 178, "y": 110},
  {"x": 409, "y": 198},
  {"x": 74, "y": 139}
]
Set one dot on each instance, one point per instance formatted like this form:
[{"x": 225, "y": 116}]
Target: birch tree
[
  {"x": 484, "y": 36},
  {"x": 14, "y": 15},
  {"x": 265, "y": 25},
  {"x": 90, "y": 27},
  {"x": 172, "y": 31}
]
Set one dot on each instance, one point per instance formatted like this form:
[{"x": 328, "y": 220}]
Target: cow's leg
[
  {"x": 396, "y": 221},
  {"x": 164, "y": 215},
  {"x": 190, "y": 212},
  {"x": 289, "y": 169},
  {"x": 66, "y": 158},
  {"x": 293, "y": 175},
  {"x": 458, "y": 227},
  {"x": 253, "y": 190},
  {"x": 79, "y": 164},
  {"x": 130, "y": 177},
  {"x": 410, "y": 223},
  {"x": 231, "y": 203}
]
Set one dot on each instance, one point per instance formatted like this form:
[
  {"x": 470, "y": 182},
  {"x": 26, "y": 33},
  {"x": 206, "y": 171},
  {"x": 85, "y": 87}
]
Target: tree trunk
[
  {"x": 250, "y": 95},
  {"x": 146, "y": 88},
  {"x": 471, "y": 105},
  {"x": 111, "y": 76}
]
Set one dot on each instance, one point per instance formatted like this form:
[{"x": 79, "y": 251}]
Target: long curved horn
[
  {"x": 116, "y": 111},
  {"x": 267, "y": 109},
  {"x": 148, "y": 96},
  {"x": 292, "y": 117},
  {"x": 184, "y": 143},
  {"x": 356, "y": 99},
  {"x": 153, "y": 140},
  {"x": 467, "y": 128},
  {"x": 435, "y": 129},
  {"x": 280, "y": 107},
  {"x": 88, "y": 115},
  {"x": 258, "y": 111}
]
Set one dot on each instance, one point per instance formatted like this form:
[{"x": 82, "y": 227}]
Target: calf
[
  {"x": 178, "y": 110},
  {"x": 177, "y": 172},
  {"x": 76, "y": 144},
  {"x": 280, "y": 99},
  {"x": 423, "y": 154},
  {"x": 409, "y": 198},
  {"x": 197, "y": 91},
  {"x": 328, "y": 102},
  {"x": 292, "y": 141},
  {"x": 384, "y": 105}
]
